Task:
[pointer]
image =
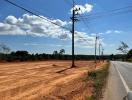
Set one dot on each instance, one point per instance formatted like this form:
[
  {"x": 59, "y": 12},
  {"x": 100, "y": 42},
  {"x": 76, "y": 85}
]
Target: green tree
[
  {"x": 55, "y": 52},
  {"x": 62, "y": 51},
  {"x": 21, "y": 53},
  {"x": 129, "y": 54},
  {"x": 111, "y": 57},
  {"x": 123, "y": 47}
]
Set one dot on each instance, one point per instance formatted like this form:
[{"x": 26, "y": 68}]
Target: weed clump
[{"x": 98, "y": 78}]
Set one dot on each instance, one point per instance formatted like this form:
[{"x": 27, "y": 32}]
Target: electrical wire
[
  {"x": 102, "y": 16},
  {"x": 35, "y": 14},
  {"x": 112, "y": 12},
  {"x": 83, "y": 21}
]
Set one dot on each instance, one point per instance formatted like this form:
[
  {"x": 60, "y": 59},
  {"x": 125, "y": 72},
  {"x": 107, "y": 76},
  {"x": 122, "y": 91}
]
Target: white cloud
[
  {"x": 11, "y": 20},
  {"x": 8, "y": 29},
  {"x": 35, "y": 26},
  {"x": 50, "y": 45},
  {"x": 84, "y": 40},
  {"x": 112, "y": 31},
  {"x": 117, "y": 31},
  {"x": 84, "y": 8},
  {"x": 108, "y": 32},
  {"x": 31, "y": 25},
  {"x": 31, "y": 44}
]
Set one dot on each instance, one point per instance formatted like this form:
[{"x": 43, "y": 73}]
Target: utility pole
[
  {"x": 103, "y": 54},
  {"x": 74, "y": 19},
  {"x": 95, "y": 49},
  {"x": 99, "y": 51},
  {"x": 73, "y": 23},
  {"x": 96, "y": 40}
]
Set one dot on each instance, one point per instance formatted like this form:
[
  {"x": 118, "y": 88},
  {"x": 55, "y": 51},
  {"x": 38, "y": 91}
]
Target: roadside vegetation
[
  {"x": 125, "y": 53},
  {"x": 129, "y": 56},
  {"x": 26, "y": 56},
  {"x": 98, "y": 80},
  {"x": 6, "y": 55}
]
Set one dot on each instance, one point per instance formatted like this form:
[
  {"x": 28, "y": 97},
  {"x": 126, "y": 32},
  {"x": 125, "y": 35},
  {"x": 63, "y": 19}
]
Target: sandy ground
[{"x": 44, "y": 80}]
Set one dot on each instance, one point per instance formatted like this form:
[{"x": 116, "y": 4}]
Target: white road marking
[{"x": 122, "y": 79}]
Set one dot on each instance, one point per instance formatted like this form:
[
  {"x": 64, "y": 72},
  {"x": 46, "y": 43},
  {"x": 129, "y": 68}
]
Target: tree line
[
  {"x": 21, "y": 55},
  {"x": 126, "y": 53},
  {"x": 7, "y": 55},
  {"x": 25, "y": 56}
]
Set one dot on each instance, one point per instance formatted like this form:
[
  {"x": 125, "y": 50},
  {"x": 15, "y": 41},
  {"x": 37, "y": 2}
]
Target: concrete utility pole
[
  {"x": 99, "y": 51},
  {"x": 103, "y": 54},
  {"x": 73, "y": 23},
  {"x": 74, "y": 19},
  {"x": 96, "y": 38}
]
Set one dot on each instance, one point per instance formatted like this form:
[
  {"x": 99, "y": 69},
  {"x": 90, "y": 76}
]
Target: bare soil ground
[{"x": 45, "y": 80}]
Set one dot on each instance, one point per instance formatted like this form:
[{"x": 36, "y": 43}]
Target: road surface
[{"x": 119, "y": 80}]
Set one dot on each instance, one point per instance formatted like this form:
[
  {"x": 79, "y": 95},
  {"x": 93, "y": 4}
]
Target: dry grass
[{"x": 98, "y": 79}]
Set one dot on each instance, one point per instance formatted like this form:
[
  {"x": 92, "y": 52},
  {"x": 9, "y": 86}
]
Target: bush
[{"x": 98, "y": 78}]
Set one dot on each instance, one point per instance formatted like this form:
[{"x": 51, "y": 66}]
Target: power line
[
  {"x": 83, "y": 20},
  {"x": 29, "y": 7},
  {"x": 35, "y": 14},
  {"x": 102, "y": 16},
  {"x": 119, "y": 11},
  {"x": 112, "y": 12}
]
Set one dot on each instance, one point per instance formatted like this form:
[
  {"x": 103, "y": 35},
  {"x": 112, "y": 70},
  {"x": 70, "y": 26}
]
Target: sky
[{"x": 23, "y": 31}]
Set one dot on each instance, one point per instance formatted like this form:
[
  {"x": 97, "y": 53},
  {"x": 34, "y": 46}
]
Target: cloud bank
[{"x": 35, "y": 26}]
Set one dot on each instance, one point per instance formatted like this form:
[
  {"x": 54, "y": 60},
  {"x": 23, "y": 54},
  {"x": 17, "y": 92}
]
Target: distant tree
[
  {"x": 129, "y": 54},
  {"x": 55, "y": 52},
  {"x": 13, "y": 53},
  {"x": 123, "y": 48},
  {"x": 21, "y": 53},
  {"x": 62, "y": 51},
  {"x": 4, "y": 49},
  {"x": 111, "y": 57}
]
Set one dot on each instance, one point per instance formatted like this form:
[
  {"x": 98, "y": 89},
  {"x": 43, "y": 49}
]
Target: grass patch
[
  {"x": 98, "y": 79},
  {"x": 130, "y": 60},
  {"x": 89, "y": 98}
]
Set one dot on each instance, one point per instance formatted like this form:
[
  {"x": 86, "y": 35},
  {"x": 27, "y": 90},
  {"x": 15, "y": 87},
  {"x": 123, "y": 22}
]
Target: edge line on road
[{"x": 122, "y": 79}]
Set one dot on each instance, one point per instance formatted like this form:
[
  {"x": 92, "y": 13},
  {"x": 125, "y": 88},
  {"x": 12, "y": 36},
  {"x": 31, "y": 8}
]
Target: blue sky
[{"x": 112, "y": 29}]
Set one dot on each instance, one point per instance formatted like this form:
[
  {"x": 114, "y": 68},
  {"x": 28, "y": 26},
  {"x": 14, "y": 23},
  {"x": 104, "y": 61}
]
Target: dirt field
[{"x": 47, "y": 80}]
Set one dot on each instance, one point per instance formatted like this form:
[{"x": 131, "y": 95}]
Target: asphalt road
[
  {"x": 119, "y": 80},
  {"x": 126, "y": 72}
]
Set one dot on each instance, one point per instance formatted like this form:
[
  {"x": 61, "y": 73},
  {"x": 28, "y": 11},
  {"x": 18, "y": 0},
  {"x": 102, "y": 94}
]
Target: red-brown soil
[{"x": 45, "y": 80}]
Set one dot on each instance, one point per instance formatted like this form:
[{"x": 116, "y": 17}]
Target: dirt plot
[{"x": 45, "y": 80}]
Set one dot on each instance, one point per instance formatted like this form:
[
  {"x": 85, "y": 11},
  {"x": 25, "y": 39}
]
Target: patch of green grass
[
  {"x": 130, "y": 60},
  {"x": 98, "y": 77},
  {"x": 89, "y": 98}
]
